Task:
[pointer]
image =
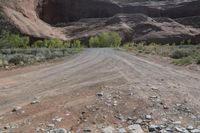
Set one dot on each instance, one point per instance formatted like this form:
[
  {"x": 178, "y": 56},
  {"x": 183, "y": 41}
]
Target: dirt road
[{"x": 131, "y": 86}]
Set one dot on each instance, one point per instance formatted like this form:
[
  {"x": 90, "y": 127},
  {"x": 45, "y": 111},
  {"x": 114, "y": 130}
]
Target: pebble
[
  {"x": 60, "y": 130},
  {"x": 153, "y": 97},
  {"x": 153, "y": 128},
  {"x": 190, "y": 128},
  {"x": 35, "y": 101},
  {"x": 108, "y": 130},
  {"x": 87, "y": 130},
  {"x": 16, "y": 108},
  {"x": 149, "y": 117},
  {"x": 176, "y": 122},
  {"x": 50, "y": 125},
  {"x": 182, "y": 130},
  {"x": 136, "y": 128},
  {"x": 122, "y": 130},
  {"x": 99, "y": 94},
  {"x": 57, "y": 119},
  {"x": 195, "y": 131},
  {"x": 138, "y": 121}
]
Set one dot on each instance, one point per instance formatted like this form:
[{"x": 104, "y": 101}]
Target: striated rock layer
[{"x": 139, "y": 20}]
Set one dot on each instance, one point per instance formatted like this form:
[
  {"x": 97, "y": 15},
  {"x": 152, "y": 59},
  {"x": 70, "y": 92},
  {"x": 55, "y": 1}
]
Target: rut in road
[{"x": 96, "y": 66}]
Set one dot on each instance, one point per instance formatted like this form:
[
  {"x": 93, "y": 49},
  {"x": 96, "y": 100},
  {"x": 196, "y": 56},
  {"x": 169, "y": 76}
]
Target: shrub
[
  {"x": 183, "y": 61},
  {"x": 38, "y": 44},
  {"x": 106, "y": 39},
  {"x": 180, "y": 53},
  {"x": 8, "y": 40},
  {"x": 76, "y": 44},
  {"x": 53, "y": 43},
  {"x": 94, "y": 42},
  {"x": 198, "y": 60}
]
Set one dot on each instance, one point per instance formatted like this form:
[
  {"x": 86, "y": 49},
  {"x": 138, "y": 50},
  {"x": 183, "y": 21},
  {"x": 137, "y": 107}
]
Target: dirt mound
[{"x": 83, "y": 18}]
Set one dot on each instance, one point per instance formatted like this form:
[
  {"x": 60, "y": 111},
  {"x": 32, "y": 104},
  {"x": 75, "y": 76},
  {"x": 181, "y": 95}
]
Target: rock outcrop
[{"x": 145, "y": 20}]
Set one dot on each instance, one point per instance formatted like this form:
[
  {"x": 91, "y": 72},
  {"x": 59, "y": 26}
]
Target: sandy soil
[{"x": 132, "y": 87}]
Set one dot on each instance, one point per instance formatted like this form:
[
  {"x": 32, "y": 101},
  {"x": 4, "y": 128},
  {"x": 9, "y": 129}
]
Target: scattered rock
[
  {"x": 190, "y": 128},
  {"x": 195, "y": 131},
  {"x": 99, "y": 94},
  {"x": 176, "y": 122},
  {"x": 87, "y": 130},
  {"x": 153, "y": 128},
  {"x": 108, "y": 130},
  {"x": 122, "y": 130},
  {"x": 51, "y": 125},
  {"x": 138, "y": 121},
  {"x": 57, "y": 119},
  {"x": 154, "y": 88},
  {"x": 35, "y": 101},
  {"x": 16, "y": 109},
  {"x": 148, "y": 117},
  {"x": 182, "y": 130},
  {"x": 153, "y": 97},
  {"x": 60, "y": 130},
  {"x": 136, "y": 128}
]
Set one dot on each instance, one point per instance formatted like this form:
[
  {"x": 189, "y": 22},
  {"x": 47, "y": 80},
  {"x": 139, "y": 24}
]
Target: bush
[
  {"x": 106, "y": 39},
  {"x": 198, "y": 60},
  {"x": 180, "y": 53},
  {"x": 38, "y": 44},
  {"x": 51, "y": 43},
  {"x": 8, "y": 40},
  {"x": 183, "y": 61},
  {"x": 76, "y": 44}
]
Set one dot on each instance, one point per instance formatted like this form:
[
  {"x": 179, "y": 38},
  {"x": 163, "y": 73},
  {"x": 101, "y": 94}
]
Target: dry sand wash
[{"x": 68, "y": 89}]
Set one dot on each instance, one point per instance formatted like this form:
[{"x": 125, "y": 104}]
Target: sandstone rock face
[{"x": 139, "y": 20}]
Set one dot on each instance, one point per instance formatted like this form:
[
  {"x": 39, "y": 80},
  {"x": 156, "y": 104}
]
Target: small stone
[
  {"x": 195, "y": 131},
  {"x": 154, "y": 88},
  {"x": 153, "y": 128},
  {"x": 153, "y": 97},
  {"x": 99, "y": 94},
  {"x": 148, "y": 117},
  {"x": 122, "y": 130},
  {"x": 37, "y": 129},
  {"x": 165, "y": 107},
  {"x": 139, "y": 121},
  {"x": 136, "y": 128},
  {"x": 190, "y": 128},
  {"x": 50, "y": 125},
  {"x": 16, "y": 109},
  {"x": 87, "y": 130},
  {"x": 108, "y": 130},
  {"x": 176, "y": 122},
  {"x": 115, "y": 103},
  {"x": 60, "y": 130},
  {"x": 182, "y": 130},
  {"x": 35, "y": 101}
]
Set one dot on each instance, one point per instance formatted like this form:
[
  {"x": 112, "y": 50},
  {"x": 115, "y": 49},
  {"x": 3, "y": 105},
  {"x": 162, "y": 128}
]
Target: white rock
[
  {"x": 136, "y": 128},
  {"x": 108, "y": 130}
]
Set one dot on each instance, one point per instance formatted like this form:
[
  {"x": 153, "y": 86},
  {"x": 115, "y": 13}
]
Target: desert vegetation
[
  {"x": 17, "y": 49},
  {"x": 11, "y": 40},
  {"x": 183, "y": 53},
  {"x": 106, "y": 39}
]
